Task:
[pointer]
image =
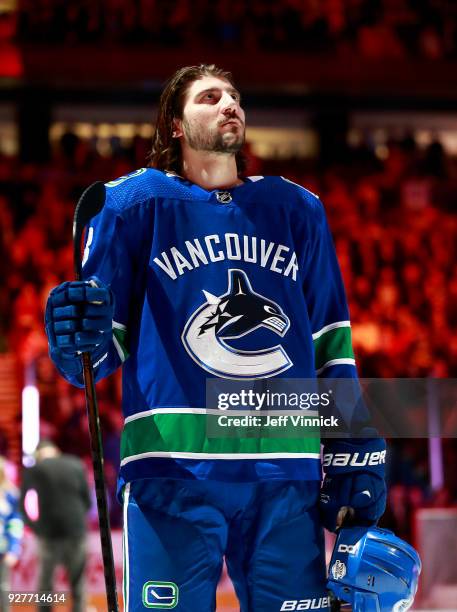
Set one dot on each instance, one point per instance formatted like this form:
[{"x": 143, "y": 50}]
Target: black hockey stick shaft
[{"x": 90, "y": 203}]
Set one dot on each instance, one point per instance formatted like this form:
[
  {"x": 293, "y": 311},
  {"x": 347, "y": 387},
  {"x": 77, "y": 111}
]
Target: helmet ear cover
[{"x": 373, "y": 570}]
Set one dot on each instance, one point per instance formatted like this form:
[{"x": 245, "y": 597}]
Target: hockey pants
[{"x": 177, "y": 532}]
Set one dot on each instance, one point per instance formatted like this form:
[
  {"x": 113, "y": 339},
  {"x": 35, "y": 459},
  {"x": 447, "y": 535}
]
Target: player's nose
[{"x": 228, "y": 104}]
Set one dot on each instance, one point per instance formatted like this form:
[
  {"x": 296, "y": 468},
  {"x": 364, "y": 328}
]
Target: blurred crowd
[
  {"x": 371, "y": 28},
  {"x": 394, "y": 223},
  {"x": 395, "y": 226}
]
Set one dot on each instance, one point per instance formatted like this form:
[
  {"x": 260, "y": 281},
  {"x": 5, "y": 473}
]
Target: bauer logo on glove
[{"x": 354, "y": 489}]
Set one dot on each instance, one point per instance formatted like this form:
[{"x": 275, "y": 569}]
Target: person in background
[
  {"x": 11, "y": 530},
  {"x": 59, "y": 481}
]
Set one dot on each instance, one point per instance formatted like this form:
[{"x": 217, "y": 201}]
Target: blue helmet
[{"x": 373, "y": 570}]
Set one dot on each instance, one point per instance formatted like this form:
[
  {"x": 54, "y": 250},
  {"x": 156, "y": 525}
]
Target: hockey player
[{"x": 196, "y": 272}]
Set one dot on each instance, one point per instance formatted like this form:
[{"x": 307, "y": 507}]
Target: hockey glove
[
  {"x": 79, "y": 318},
  {"x": 354, "y": 482}
]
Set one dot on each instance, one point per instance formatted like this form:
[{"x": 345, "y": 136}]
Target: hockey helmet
[{"x": 373, "y": 570}]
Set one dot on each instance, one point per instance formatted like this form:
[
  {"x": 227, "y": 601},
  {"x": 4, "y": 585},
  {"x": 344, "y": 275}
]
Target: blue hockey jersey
[
  {"x": 11, "y": 524},
  {"x": 239, "y": 284}
]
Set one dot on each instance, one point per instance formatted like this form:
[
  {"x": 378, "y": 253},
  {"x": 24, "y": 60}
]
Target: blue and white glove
[
  {"x": 354, "y": 486},
  {"x": 79, "y": 318}
]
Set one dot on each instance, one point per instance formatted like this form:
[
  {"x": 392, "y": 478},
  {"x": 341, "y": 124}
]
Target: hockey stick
[
  {"x": 344, "y": 519},
  {"x": 90, "y": 203}
]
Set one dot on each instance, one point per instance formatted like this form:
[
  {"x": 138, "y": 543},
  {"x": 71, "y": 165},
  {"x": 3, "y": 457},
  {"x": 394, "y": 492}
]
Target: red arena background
[{"x": 353, "y": 99}]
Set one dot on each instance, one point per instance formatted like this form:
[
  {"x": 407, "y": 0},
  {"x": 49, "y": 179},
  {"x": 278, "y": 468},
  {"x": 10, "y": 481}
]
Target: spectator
[
  {"x": 395, "y": 231},
  {"x": 63, "y": 502},
  {"x": 11, "y": 528},
  {"x": 370, "y": 28}
]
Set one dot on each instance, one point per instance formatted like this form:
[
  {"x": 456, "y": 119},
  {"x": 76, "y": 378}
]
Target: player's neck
[{"x": 210, "y": 170}]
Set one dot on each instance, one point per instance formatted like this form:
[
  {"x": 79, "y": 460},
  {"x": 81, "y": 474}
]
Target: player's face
[{"x": 213, "y": 119}]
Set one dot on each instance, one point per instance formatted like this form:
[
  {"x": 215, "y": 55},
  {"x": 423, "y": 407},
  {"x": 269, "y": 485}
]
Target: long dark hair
[{"x": 166, "y": 151}]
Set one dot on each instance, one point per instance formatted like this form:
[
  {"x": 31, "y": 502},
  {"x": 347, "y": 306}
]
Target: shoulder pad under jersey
[{"x": 142, "y": 185}]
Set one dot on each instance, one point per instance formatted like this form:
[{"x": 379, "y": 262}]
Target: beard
[{"x": 202, "y": 138}]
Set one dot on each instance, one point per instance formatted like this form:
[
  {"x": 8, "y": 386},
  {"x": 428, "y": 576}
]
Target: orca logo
[
  {"x": 163, "y": 595},
  {"x": 232, "y": 315}
]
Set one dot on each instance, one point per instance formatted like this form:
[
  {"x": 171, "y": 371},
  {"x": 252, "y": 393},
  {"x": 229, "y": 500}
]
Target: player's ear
[{"x": 176, "y": 128}]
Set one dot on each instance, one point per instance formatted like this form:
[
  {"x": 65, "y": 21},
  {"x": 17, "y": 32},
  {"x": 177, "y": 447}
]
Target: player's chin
[{"x": 233, "y": 142}]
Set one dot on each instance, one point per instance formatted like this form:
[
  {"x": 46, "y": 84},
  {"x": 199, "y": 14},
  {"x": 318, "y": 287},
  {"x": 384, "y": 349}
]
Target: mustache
[{"x": 231, "y": 120}]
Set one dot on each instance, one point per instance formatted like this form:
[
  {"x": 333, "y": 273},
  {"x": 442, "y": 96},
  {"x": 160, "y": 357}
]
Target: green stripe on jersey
[
  {"x": 119, "y": 339},
  {"x": 333, "y": 344},
  {"x": 177, "y": 432}
]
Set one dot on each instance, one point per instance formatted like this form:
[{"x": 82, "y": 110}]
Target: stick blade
[{"x": 89, "y": 205}]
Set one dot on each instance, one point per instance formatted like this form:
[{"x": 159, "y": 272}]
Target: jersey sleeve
[
  {"x": 326, "y": 302},
  {"x": 330, "y": 324},
  {"x": 111, "y": 255}
]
